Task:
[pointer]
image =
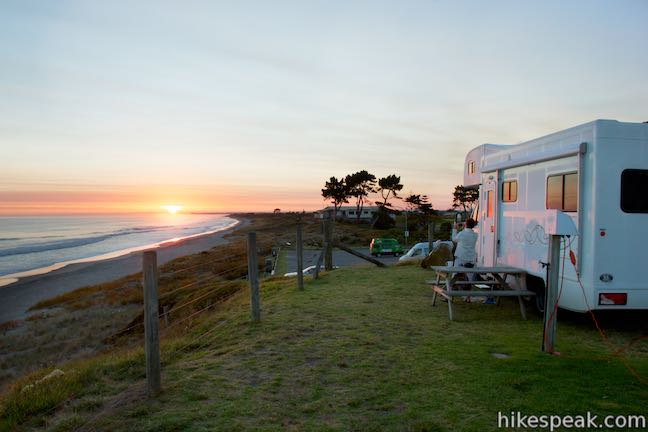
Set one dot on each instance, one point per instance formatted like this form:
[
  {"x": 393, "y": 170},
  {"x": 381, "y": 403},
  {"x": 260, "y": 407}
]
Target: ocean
[{"x": 31, "y": 245}]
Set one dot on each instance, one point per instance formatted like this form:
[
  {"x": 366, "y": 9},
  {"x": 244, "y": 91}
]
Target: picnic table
[{"x": 449, "y": 284}]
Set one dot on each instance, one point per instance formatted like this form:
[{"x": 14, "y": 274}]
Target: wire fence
[
  {"x": 213, "y": 288},
  {"x": 188, "y": 291},
  {"x": 179, "y": 306}
]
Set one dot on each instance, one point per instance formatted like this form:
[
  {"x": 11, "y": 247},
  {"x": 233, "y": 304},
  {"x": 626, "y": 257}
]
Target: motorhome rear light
[{"x": 616, "y": 299}]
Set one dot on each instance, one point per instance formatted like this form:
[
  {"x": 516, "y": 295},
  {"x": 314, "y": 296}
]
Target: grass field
[
  {"x": 82, "y": 322},
  {"x": 359, "y": 349}
]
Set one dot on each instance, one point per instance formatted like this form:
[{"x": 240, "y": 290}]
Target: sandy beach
[{"x": 17, "y": 297}]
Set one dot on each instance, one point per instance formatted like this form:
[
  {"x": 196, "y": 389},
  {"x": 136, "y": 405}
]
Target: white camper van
[
  {"x": 421, "y": 250},
  {"x": 596, "y": 173}
]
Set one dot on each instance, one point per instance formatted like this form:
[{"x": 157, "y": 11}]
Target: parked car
[
  {"x": 421, "y": 250},
  {"x": 416, "y": 252},
  {"x": 383, "y": 246}
]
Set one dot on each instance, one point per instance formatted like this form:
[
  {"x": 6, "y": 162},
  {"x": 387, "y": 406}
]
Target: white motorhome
[{"x": 596, "y": 173}]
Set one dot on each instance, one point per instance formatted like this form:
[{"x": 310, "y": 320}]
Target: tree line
[{"x": 358, "y": 187}]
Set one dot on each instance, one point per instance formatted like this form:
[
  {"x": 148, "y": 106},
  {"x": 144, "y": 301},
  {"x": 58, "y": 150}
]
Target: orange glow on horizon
[
  {"x": 17, "y": 200},
  {"x": 63, "y": 199}
]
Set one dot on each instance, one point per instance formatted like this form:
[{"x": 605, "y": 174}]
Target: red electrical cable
[{"x": 614, "y": 351}]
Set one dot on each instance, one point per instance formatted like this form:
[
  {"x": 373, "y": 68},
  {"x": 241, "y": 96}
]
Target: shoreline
[{"x": 17, "y": 297}]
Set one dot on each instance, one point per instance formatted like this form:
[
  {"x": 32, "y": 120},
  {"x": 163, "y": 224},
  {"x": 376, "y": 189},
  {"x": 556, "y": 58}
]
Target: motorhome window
[
  {"x": 514, "y": 191},
  {"x": 471, "y": 167},
  {"x": 634, "y": 197},
  {"x": 509, "y": 191},
  {"x": 562, "y": 192},
  {"x": 489, "y": 204},
  {"x": 570, "y": 196}
]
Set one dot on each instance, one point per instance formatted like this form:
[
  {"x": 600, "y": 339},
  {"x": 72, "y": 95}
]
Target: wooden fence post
[
  {"x": 165, "y": 312},
  {"x": 328, "y": 242},
  {"x": 253, "y": 278},
  {"x": 320, "y": 261},
  {"x": 151, "y": 322},
  {"x": 300, "y": 258}
]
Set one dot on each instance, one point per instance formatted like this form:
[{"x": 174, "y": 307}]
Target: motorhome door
[{"x": 488, "y": 229}]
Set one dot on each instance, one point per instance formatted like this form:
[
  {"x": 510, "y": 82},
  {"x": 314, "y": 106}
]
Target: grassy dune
[{"x": 359, "y": 349}]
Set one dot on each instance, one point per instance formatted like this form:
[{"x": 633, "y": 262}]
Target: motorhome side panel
[
  {"x": 613, "y": 242},
  {"x": 522, "y": 241},
  {"x": 521, "y": 238},
  {"x": 619, "y": 239}
]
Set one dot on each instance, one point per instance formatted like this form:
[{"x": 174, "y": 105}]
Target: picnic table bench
[{"x": 448, "y": 285}]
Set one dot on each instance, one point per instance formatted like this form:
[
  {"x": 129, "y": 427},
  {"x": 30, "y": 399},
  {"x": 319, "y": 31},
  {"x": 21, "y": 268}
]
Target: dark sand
[{"x": 19, "y": 296}]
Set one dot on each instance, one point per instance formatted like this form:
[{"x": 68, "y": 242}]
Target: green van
[{"x": 381, "y": 246}]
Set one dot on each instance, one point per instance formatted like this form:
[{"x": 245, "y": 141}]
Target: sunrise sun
[{"x": 173, "y": 209}]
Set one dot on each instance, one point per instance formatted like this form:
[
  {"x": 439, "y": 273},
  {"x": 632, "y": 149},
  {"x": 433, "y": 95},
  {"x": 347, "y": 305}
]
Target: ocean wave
[
  {"x": 29, "y": 238},
  {"x": 49, "y": 246},
  {"x": 72, "y": 242},
  {"x": 147, "y": 228},
  {"x": 82, "y": 241},
  {"x": 131, "y": 230}
]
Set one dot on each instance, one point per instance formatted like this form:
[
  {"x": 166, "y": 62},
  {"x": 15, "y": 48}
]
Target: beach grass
[{"x": 358, "y": 349}]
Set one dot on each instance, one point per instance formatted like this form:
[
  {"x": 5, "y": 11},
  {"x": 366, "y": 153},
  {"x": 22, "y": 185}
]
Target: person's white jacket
[{"x": 466, "y": 240}]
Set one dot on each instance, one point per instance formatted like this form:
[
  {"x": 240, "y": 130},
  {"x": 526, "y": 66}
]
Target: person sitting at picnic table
[
  {"x": 465, "y": 253},
  {"x": 466, "y": 239}
]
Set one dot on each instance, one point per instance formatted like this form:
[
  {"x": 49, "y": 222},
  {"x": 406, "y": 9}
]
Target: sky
[{"x": 252, "y": 105}]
